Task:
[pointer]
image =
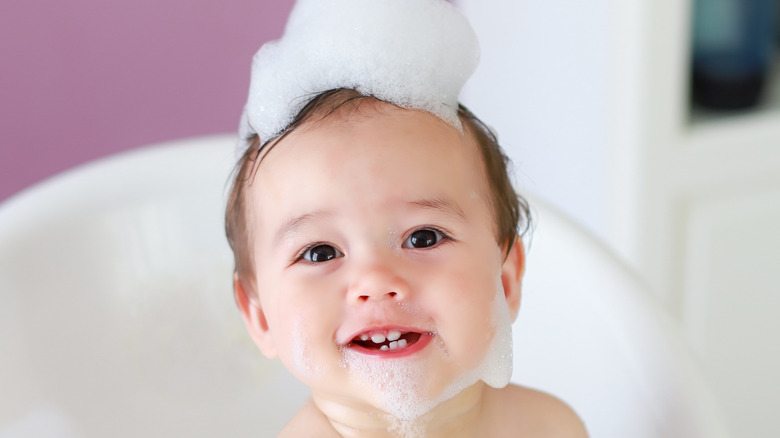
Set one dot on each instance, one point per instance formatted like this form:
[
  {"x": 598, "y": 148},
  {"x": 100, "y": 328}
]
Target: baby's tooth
[
  {"x": 384, "y": 348},
  {"x": 364, "y": 337},
  {"x": 394, "y": 345},
  {"x": 393, "y": 335},
  {"x": 401, "y": 343},
  {"x": 377, "y": 338}
]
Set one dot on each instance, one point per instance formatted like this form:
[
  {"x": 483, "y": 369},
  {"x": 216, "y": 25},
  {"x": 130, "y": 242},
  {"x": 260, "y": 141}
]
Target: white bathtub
[{"x": 117, "y": 317}]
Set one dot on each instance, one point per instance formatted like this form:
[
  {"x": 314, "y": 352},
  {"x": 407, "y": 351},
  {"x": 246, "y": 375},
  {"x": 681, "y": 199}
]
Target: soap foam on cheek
[
  {"x": 301, "y": 353},
  {"x": 496, "y": 367}
]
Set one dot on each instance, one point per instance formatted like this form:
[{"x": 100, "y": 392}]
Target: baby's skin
[{"x": 380, "y": 284}]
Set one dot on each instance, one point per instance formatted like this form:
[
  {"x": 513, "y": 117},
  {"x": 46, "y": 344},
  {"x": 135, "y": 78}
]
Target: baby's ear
[
  {"x": 254, "y": 318},
  {"x": 512, "y": 276}
]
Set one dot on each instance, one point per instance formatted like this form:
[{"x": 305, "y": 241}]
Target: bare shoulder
[
  {"x": 308, "y": 422},
  {"x": 531, "y": 413}
]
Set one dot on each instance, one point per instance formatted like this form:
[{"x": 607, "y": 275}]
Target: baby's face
[{"x": 377, "y": 266}]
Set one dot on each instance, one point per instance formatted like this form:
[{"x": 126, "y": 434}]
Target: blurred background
[
  {"x": 654, "y": 125},
  {"x": 85, "y": 78}
]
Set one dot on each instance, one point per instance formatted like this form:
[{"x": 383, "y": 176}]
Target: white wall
[{"x": 549, "y": 84}]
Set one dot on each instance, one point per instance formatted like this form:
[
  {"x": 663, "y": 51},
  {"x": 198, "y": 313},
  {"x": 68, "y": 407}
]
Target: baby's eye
[
  {"x": 321, "y": 253},
  {"x": 424, "y": 238}
]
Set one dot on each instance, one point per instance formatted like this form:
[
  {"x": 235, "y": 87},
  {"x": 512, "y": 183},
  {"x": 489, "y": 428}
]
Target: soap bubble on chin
[{"x": 401, "y": 386}]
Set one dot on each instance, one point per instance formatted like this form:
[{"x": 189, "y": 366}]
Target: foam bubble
[
  {"x": 401, "y": 387},
  {"x": 496, "y": 368},
  {"x": 301, "y": 353},
  {"x": 413, "y": 53},
  {"x": 408, "y": 429}
]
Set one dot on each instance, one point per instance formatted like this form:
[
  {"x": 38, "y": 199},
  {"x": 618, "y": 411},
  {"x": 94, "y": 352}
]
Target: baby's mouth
[{"x": 386, "y": 340}]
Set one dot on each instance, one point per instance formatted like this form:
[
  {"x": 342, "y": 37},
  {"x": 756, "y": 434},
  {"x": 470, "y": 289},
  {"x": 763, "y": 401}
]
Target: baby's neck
[{"x": 456, "y": 417}]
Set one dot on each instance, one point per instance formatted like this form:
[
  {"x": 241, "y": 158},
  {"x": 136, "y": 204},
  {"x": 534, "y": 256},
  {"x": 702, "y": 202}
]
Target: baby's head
[
  {"x": 376, "y": 248},
  {"x": 372, "y": 218},
  {"x": 510, "y": 211}
]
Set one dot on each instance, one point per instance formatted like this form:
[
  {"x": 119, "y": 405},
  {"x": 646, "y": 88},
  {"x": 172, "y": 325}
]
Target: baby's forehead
[
  {"x": 381, "y": 131},
  {"x": 346, "y": 114}
]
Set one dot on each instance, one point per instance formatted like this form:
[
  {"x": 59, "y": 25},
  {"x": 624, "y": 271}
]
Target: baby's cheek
[
  {"x": 476, "y": 324},
  {"x": 301, "y": 360},
  {"x": 298, "y": 341},
  {"x": 475, "y": 339}
]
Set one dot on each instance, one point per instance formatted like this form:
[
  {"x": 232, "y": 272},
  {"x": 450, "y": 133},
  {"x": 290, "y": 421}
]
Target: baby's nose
[
  {"x": 368, "y": 296},
  {"x": 378, "y": 282}
]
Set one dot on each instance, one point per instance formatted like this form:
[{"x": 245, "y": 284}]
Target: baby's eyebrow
[
  {"x": 289, "y": 227},
  {"x": 442, "y": 204}
]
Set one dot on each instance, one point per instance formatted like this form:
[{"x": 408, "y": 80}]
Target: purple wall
[{"x": 82, "y": 79}]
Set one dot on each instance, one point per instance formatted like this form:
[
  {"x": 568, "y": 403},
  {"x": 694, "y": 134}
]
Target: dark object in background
[{"x": 733, "y": 42}]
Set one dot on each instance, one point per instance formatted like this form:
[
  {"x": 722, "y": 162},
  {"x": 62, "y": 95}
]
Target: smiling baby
[{"x": 375, "y": 229}]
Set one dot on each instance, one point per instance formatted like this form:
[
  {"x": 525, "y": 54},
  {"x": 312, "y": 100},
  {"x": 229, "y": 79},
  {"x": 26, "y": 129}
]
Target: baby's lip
[
  {"x": 387, "y": 331},
  {"x": 389, "y": 340}
]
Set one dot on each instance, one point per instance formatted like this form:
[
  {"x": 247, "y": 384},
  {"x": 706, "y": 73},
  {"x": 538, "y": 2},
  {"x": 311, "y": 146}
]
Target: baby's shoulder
[{"x": 532, "y": 413}]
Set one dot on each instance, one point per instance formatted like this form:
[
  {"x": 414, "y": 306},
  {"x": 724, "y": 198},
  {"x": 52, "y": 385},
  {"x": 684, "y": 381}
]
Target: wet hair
[{"x": 510, "y": 211}]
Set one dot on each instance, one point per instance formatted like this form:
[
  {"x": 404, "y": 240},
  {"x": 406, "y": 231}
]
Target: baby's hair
[{"x": 511, "y": 211}]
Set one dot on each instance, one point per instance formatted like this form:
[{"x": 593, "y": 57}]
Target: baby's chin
[
  {"x": 407, "y": 389},
  {"x": 404, "y": 388}
]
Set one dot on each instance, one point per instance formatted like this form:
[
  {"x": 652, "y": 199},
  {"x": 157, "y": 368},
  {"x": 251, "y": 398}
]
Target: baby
[{"x": 375, "y": 229}]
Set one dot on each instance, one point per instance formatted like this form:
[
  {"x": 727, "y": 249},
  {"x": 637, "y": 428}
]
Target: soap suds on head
[{"x": 413, "y": 53}]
